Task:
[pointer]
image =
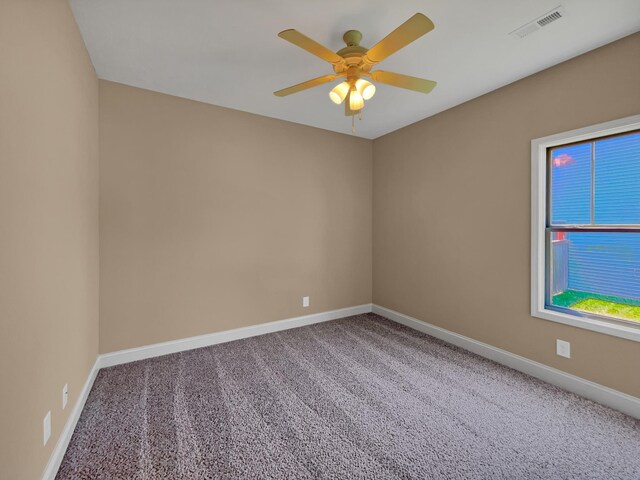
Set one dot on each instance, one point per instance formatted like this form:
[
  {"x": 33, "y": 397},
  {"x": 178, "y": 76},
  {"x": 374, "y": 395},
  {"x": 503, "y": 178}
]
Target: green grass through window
[{"x": 609, "y": 305}]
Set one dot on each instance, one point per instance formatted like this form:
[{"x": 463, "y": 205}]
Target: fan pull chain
[{"x": 353, "y": 121}]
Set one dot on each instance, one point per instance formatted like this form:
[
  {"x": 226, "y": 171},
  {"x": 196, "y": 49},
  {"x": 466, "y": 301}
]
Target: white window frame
[{"x": 539, "y": 149}]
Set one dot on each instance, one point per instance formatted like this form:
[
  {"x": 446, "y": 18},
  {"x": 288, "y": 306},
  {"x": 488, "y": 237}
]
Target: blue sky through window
[
  {"x": 617, "y": 173},
  {"x": 616, "y": 182},
  {"x": 571, "y": 185}
]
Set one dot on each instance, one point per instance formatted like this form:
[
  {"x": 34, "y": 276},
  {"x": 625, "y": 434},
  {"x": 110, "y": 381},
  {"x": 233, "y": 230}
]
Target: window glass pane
[
  {"x": 596, "y": 272},
  {"x": 617, "y": 185},
  {"x": 571, "y": 185}
]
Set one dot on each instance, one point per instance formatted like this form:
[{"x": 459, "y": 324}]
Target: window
[{"x": 586, "y": 228}]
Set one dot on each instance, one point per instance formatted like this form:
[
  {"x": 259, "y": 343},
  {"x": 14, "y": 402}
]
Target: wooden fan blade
[
  {"x": 311, "y": 46},
  {"x": 402, "y": 36},
  {"x": 403, "y": 81},
  {"x": 304, "y": 85}
]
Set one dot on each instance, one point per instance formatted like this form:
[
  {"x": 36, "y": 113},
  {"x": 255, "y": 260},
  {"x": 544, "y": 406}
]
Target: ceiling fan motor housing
[{"x": 352, "y": 53}]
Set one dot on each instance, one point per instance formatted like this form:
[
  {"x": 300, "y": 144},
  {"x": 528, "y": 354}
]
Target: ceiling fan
[{"x": 354, "y": 62}]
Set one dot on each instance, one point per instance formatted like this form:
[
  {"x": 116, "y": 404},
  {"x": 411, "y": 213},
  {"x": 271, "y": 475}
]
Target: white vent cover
[{"x": 542, "y": 21}]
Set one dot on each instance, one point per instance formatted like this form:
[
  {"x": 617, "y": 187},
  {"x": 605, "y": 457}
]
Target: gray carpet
[{"x": 360, "y": 397}]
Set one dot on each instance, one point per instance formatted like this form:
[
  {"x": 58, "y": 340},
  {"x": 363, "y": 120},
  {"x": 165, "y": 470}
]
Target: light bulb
[
  {"x": 366, "y": 89},
  {"x": 356, "y": 102},
  {"x": 339, "y": 93}
]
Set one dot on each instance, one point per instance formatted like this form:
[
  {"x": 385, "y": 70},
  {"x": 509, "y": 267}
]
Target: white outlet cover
[
  {"x": 46, "y": 425},
  {"x": 65, "y": 395},
  {"x": 563, "y": 348},
  {"x": 305, "y": 301}
]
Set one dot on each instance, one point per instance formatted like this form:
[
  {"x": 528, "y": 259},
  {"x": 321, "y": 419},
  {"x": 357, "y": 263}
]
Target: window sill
[{"x": 588, "y": 323}]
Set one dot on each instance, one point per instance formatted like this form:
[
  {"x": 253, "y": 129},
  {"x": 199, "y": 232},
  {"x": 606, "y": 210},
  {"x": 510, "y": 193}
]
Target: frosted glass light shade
[
  {"x": 339, "y": 93},
  {"x": 356, "y": 102},
  {"x": 366, "y": 89}
]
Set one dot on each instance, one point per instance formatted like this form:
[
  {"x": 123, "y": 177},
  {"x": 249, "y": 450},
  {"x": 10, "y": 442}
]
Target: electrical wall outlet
[
  {"x": 305, "y": 301},
  {"x": 65, "y": 395},
  {"x": 563, "y": 348},
  {"x": 46, "y": 425}
]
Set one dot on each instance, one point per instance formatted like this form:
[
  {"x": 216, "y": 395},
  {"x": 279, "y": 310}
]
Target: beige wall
[
  {"x": 213, "y": 219},
  {"x": 48, "y": 226},
  {"x": 451, "y": 211}
]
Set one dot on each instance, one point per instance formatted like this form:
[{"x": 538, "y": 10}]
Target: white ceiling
[{"x": 226, "y": 52}]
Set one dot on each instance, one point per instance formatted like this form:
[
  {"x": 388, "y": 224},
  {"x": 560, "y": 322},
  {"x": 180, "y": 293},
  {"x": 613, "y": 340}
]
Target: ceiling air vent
[{"x": 535, "y": 25}]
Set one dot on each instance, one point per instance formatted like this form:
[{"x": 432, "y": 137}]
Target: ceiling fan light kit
[
  {"x": 354, "y": 62},
  {"x": 365, "y": 88},
  {"x": 356, "y": 102},
  {"x": 339, "y": 93}
]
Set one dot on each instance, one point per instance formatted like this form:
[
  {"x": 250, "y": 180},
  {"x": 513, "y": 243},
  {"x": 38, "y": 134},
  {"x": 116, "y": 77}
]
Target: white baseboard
[
  {"x": 59, "y": 450},
  {"x": 173, "y": 346},
  {"x": 585, "y": 388}
]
